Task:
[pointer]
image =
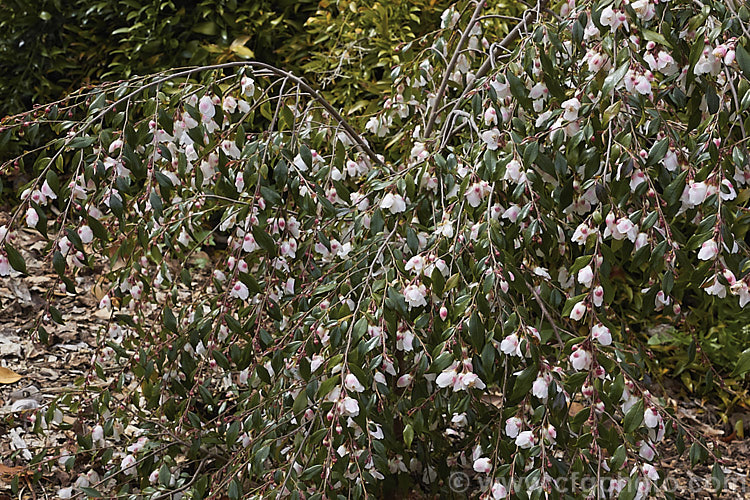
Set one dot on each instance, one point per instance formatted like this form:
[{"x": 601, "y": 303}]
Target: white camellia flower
[
  {"x": 646, "y": 451},
  {"x": 511, "y": 345},
  {"x": 239, "y": 291},
  {"x": 476, "y": 193},
  {"x": 513, "y": 426},
  {"x": 448, "y": 377},
  {"x": 32, "y": 218},
  {"x": 586, "y": 276},
  {"x": 415, "y": 295},
  {"x": 393, "y": 202},
  {"x": 404, "y": 380},
  {"x": 709, "y": 250},
  {"x": 491, "y": 138},
  {"x": 352, "y": 383},
  {"x": 580, "y": 358},
  {"x": 86, "y": 234},
  {"x": 602, "y": 334},
  {"x": 571, "y": 107},
  {"x": 128, "y": 465},
  {"x": 482, "y": 465},
  {"x": 349, "y": 407},
  {"x": 578, "y": 311},
  {"x": 651, "y": 417},
  {"x": 498, "y": 491},
  {"x": 525, "y": 439},
  {"x": 206, "y": 108},
  {"x": 540, "y": 387}
]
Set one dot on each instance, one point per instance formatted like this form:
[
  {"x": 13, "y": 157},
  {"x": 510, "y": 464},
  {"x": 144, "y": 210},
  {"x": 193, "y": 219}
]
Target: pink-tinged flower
[
  {"x": 513, "y": 426},
  {"x": 476, "y": 193},
  {"x": 86, "y": 234},
  {"x": 709, "y": 250},
  {"x": 415, "y": 295},
  {"x": 636, "y": 179},
  {"x": 550, "y": 432},
  {"x": 404, "y": 380},
  {"x": 716, "y": 288},
  {"x": 105, "y": 303},
  {"x": 468, "y": 380},
  {"x": 697, "y": 193},
  {"x": 447, "y": 378},
  {"x": 47, "y": 191},
  {"x": 483, "y": 465},
  {"x": 581, "y": 233},
  {"x": 128, "y": 465},
  {"x": 443, "y": 313},
  {"x": 598, "y": 296},
  {"x": 571, "y": 107},
  {"x": 490, "y": 116},
  {"x": 651, "y": 472},
  {"x": 525, "y": 439},
  {"x": 239, "y": 291},
  {"x": 651, "y": 417},
  {"x": 352, "y": 383},
  {"x": 491, "y": 138},
  {"x": 230, "y": 149},
  {"x": 740, "y": 288},
  {"x": 248, "y": 86},
  {"x": 586, "y": 276},
  {"x": 4, "y": 266},
  {"x": 646, "y": 450},
  {"x": 602, "y": 334},
  {"x": 578, "y": 311},
  {"x": 115, "y": 145},
  {"x": 32, "y": 218},
  {"x": 498, "y": 491},
  {"x": 514, "y": 172},
  {"x": 349, "y": 407},
  {"x": 540, "y": 387},
  {"x": 512, "y": 213},
  {"x": 404, "y": 341},
  {"x": 511, "y": 345},
  {"x": 393, "y": 202},
  {"x": 580, "y": 358},
  {"x": 206, "y": 108},
  {"x": 726, "y": 190},
  {"x": 415, "y": 264}
]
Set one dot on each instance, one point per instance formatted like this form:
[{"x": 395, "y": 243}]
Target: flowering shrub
[{"x": 449, "y": 291}]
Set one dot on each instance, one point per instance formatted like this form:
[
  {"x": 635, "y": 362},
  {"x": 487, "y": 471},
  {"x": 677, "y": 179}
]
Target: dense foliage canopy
[{"x": 431, "y": 294}]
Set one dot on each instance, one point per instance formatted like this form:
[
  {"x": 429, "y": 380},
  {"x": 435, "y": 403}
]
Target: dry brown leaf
[
  {"x": 11, "y": 472},
  {"x": 8, "y": 376}
]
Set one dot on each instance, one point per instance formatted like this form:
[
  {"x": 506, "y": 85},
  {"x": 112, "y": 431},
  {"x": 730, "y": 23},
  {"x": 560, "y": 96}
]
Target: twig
[{"x": 452, "y": 64}]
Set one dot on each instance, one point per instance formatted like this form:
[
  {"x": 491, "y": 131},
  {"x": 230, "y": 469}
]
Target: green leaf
[
  {"x": 15, "y": 258},
  {"x": 658, "y": 151},
  {"x": 58, "y": 262},
  {"x": 614, "y": 78},
  {"x": 718, "y": 477},
  {"x": 300, "y": 403},
  {"x": 743, "y": 60},
  {"x": 653, "y": 36},
  {"x": 743, "y": 364},
  {"x": 264, "y": 240},
  {"x": 408, "y": 435},
  {"x": 633, "y": 418},
  {"x": 81, "y": 142}
]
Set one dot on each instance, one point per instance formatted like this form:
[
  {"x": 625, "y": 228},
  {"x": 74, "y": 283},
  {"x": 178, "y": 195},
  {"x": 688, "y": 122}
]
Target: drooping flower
[
  {"x": 415, "y": 295},
  {"x": 602, "y": 334},
  {"x": 352, "y": 383},
  {"x": 709, "y": 250},
  {"x": 482, "y": 465}
]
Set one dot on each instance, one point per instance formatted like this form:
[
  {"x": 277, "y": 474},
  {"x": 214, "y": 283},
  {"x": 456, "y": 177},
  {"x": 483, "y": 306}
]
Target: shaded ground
[{"x": 49, "y": 370}]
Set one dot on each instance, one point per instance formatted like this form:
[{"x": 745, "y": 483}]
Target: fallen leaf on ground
[{"x": 8, "y": 376}]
